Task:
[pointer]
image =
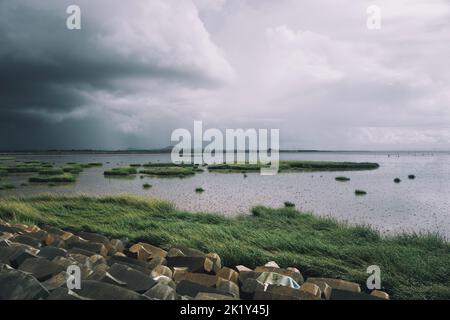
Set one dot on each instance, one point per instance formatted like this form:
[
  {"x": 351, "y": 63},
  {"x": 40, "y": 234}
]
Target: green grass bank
[
  {"x": 412, "y": 266},
  {"x": 296, "y": 166}
]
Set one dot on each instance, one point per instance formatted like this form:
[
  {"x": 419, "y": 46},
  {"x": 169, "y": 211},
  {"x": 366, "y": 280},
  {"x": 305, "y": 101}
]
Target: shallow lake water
[{"x": 419, "y": 205}]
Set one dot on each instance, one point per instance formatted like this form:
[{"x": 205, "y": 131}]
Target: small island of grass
[
  {"x": 7, "y": 186},
  {"x": 61, "y": 178},
  {"x": 168, "y": 171},
  {"x": 169, "y": 164},
  {"x": 121, "y": 171},
  {"x": 73, "y": 169},
  {"x": 51, "y": 171},
  {"x": 295, "y": 166},
  {"x": 76, "y": 168},
  {"x": 95, "y": 164},
  {"x": 298, "y": 165},
  {"x": 25, "y": 167}
]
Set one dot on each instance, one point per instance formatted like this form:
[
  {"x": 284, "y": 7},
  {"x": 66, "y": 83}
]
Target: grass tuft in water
[
  {"x": 169, "y": 164},
  {"x": 73, "y": 168},
  {"x": 295, "y": 166},
  {"x": 62, "y": 178},
  {"x": 127, "y": 171},
  {"x": 289, "y": 204},
  {"x": 174, "y": 171},
  {"x": 7, "y": 186},
  {"x": 95, "y": 164},
  {"x": 51, "y": 171},
  {"x": 25, "y": 167}
]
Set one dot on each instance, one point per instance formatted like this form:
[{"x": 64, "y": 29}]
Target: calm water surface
[{"x": 417, "y": 205}]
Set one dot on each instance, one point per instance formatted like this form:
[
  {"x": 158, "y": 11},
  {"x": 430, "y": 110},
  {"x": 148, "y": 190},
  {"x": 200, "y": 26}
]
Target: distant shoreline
[{"x": 169, "y": 150}]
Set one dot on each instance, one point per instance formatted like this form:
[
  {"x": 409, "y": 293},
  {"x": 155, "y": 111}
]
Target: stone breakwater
[{"x": 34, "y": 264}]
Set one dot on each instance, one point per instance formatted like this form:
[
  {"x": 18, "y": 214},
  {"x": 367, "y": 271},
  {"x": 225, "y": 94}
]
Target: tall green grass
[{"x": 412, "y": 266}]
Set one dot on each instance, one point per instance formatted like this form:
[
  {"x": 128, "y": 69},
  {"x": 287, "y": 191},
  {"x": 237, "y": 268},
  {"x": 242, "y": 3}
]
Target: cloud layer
[{"x": 135, "y": 71}]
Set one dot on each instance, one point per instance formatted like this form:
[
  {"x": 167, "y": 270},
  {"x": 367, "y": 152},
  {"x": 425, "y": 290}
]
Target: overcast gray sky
[{"x": 139, "y": 69}]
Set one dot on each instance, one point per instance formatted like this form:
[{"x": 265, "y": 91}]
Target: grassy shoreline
[
  {"x": 121, "y": 171},
  {"x": 412, "y": 266}
]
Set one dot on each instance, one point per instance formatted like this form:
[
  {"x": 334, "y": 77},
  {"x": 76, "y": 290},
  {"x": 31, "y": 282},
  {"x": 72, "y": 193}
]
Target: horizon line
[{"x": 169, "y": 148}]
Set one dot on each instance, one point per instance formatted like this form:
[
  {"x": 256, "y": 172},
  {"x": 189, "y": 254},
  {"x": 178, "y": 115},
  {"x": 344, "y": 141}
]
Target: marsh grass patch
[
  {"x": 7, "y": 186},
  {"x": 62, "y": 178},
  {"x": 294, "y": 166},
  {"x": 51, "y": 171},
  {"x": 289, "y": 204},
  {"x": 168, "y": 171},
  {"x": 120, "y": 171}
]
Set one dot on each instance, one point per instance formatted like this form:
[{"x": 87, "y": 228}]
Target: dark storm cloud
[
  {"x": 43, "y": 65},
  {"x": 48, "y": 71},
  {"x": 57, "y": 84}
]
